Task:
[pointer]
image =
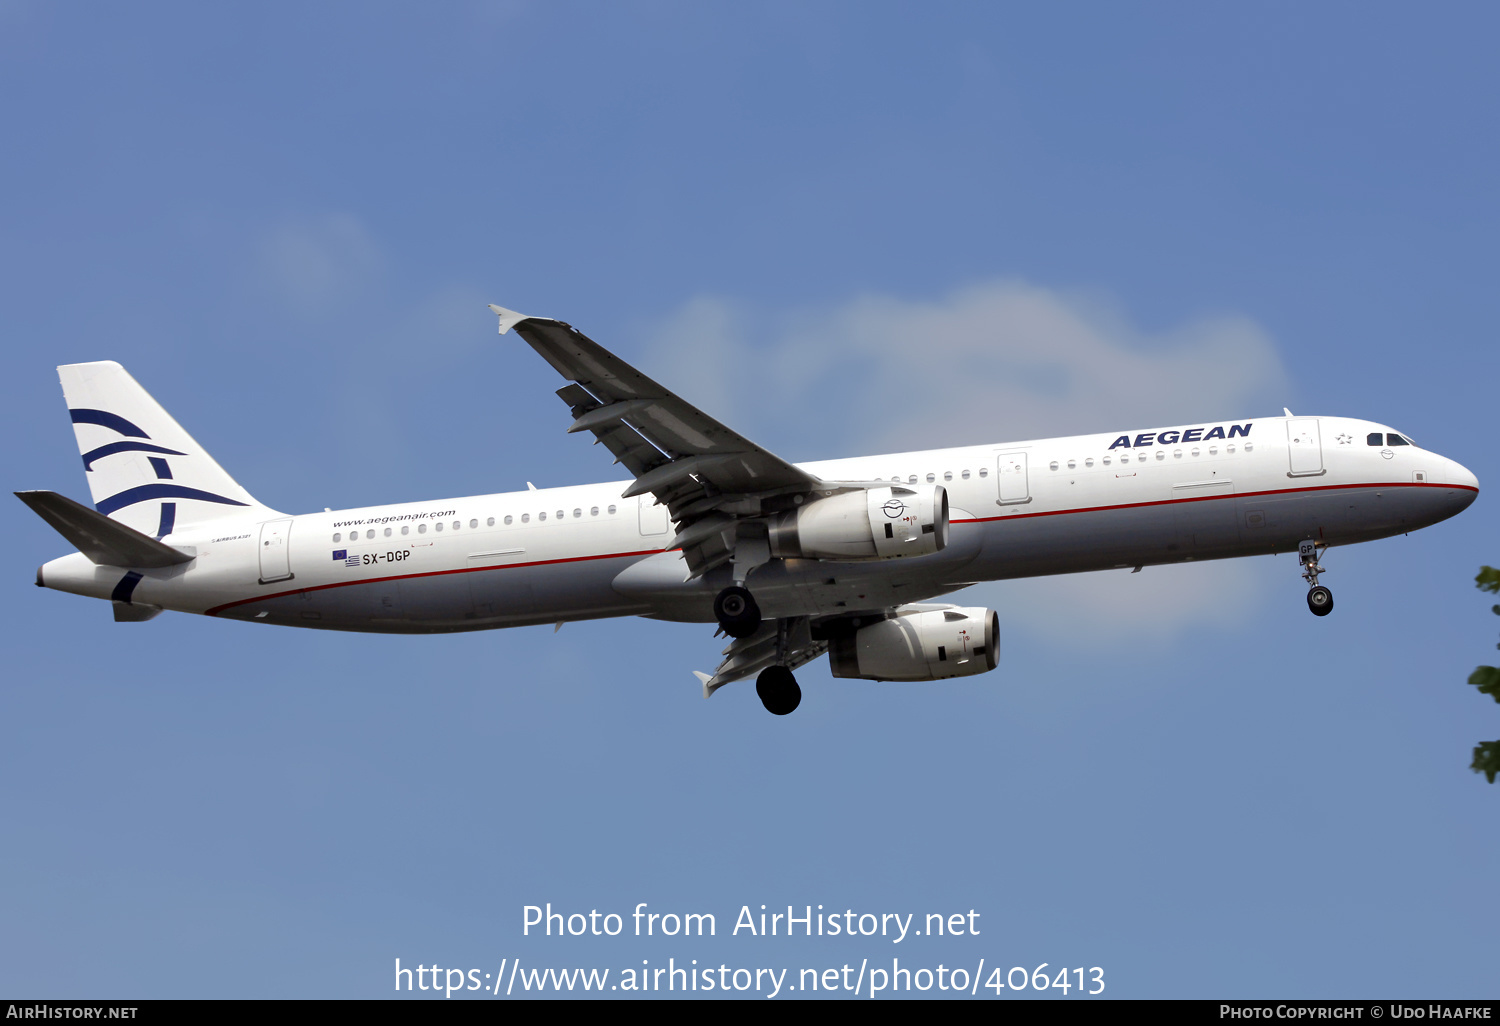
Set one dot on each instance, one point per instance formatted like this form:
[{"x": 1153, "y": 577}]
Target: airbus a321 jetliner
[{"x": 791, "y": 560}]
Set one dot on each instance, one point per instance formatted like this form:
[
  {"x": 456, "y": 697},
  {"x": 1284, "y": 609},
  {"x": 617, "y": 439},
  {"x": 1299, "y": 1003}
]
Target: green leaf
[
  {"x": 1487, "y": 759},
  {"x": 1488, "y": 579},
  {"x": 1487, "y": 680}
]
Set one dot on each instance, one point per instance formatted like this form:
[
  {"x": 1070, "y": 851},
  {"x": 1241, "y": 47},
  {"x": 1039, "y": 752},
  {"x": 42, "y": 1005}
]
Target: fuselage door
[
  {"x": 275, "y": 553},
  {"x": 1010, "y": 475},
  {"x": 653, "y": 516},
  {"x": 1304, "y": 447}
]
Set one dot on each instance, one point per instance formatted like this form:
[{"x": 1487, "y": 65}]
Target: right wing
[{"x": 709, "y": 476}]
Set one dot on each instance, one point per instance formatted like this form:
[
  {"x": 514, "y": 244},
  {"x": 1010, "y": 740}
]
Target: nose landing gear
[
  {"x": 1319, "y": 598},
  {"x": 737, "y": 613}
]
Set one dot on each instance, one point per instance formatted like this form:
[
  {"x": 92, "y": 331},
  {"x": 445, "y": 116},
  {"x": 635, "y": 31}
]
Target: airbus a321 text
[{"x": 791, "y": 560}]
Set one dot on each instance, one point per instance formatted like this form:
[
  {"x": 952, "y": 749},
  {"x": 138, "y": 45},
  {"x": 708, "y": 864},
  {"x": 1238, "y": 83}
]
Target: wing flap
[{"x": 748, "y": 656}]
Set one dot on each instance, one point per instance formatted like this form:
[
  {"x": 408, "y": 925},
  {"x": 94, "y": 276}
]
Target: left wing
[{"x": 708, "y": 476}]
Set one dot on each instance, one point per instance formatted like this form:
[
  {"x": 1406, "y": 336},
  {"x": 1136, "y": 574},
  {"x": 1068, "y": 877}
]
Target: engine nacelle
[
  {"x": 931, "y": 645},
  {"x": 878, "y": 523}
]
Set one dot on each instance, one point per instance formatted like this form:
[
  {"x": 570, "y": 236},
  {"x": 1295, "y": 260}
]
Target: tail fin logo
[{"x": 163, "y": 470}]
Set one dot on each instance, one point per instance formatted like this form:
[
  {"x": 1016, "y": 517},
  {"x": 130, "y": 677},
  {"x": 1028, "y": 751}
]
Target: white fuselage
[{"x": 1057, "y": 505}]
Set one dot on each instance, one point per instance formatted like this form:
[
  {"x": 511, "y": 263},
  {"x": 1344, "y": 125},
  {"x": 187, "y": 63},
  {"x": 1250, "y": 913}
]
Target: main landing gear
[
  {"x": 778, "y": 690},
  {"x": 1319, "y": 598},
  {"x": 738, "y": 615}
]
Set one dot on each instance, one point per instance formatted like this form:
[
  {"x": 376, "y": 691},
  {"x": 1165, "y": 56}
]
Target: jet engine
[
  {"x": 930, "y": 645},
  {"x": 876, "y": 523}
]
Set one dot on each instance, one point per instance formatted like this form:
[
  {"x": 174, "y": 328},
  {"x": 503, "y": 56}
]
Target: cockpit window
[
  {"x": 1374, "y": 438},
  {"x": 1392, "y": 438}
]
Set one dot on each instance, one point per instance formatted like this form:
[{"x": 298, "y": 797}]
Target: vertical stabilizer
[{"x": 143, "y": 469}]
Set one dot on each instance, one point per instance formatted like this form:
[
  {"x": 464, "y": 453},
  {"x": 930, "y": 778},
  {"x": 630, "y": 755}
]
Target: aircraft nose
[{"x": 1461, "y": 475}]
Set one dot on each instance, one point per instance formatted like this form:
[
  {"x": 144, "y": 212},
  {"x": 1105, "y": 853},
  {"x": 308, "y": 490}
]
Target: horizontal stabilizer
[{"x": 104, "y": 541}]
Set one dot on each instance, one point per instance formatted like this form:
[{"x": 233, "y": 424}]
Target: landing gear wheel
[
  {"x": 737, "y": 613},
  {"x": 778, "y": 690},
  {"x": 1320, "y": 601}
]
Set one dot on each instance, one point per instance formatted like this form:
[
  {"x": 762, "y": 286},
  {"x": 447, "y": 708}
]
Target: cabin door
[
  {"x": 1304, "y": 447},
  {"x": 275, "y": 553}
]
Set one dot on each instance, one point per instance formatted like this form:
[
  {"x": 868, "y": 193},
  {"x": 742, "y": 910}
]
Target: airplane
[{"x": 792, "y": 561}]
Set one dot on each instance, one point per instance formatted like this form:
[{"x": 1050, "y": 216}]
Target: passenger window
[
  {"x": 1249, "y": 446},
  {"x": 370, "y": 533},
  {"x": 406, "y": 530},
  {"x": 387, "y": 532},
  {"x": 1052, "y": 465},
  {"x": 611, "y": 511},
  {"x": 593, "y": 511},
  {"x": 336, "y": 537},
  {"x": 965, "y": 475},
  {"x": 1373, "y": 438},
  {"x": 509, "y": 521},
  {"x": 1089, "y": 462},
  {"x": 984, "y": 471},
  {"x": 930, "y": 479},
  {"x": 1106, "y": 461},
  {"x": 561, "y": 514},
  {"x": 475, "y": 523},
  {"x": 1394, "y": 439},
  {"x": 490, "y": 522},
  {"x": 542, "y": 515},
  {"x": 525, "y": 518},
  {"x": 947, "y": 475},
  {"x": 437, "y": 527},
  {"x": 421, "y": 528},
  {"x": 577, "y": 513},
  {"x": 912, "y": 479}
]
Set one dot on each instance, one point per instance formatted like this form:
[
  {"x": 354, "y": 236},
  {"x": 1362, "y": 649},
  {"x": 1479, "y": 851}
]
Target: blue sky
[{"x": 838, "y": 226}]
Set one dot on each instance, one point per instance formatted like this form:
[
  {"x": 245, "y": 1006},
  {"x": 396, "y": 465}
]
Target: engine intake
[
  {"x": 931, "y": 645},
  {"x": 877, "y": 523}
]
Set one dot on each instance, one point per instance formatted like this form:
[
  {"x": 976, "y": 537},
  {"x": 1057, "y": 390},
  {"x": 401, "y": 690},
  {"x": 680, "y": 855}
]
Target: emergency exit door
[
  {"x": 653, "y": 516},
  {"x": 1010, "y": 475}
]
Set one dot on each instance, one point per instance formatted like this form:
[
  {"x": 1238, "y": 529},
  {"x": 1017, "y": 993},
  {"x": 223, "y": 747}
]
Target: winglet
[
  {"x": 1288, "y": 412},
  {"x": 704, "y": 679},
  {"x": 508, "y": 318}
]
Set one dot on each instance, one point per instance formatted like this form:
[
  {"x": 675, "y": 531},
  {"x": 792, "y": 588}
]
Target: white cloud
[
  {"x": 995, "y": 362},
  {"x": 316, "y": 261}
]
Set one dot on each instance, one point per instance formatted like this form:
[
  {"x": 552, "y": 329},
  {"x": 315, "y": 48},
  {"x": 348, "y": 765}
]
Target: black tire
[
  {"x": 778, "y": 690},
  {"x": 737, "y": 612},
  {"x": 1320, "y": 601}
]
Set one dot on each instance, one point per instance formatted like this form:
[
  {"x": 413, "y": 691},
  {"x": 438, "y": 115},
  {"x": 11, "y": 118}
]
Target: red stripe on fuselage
[
  {"x": 1211, "y": 498},
  {"x": 429, "y": 573}
]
